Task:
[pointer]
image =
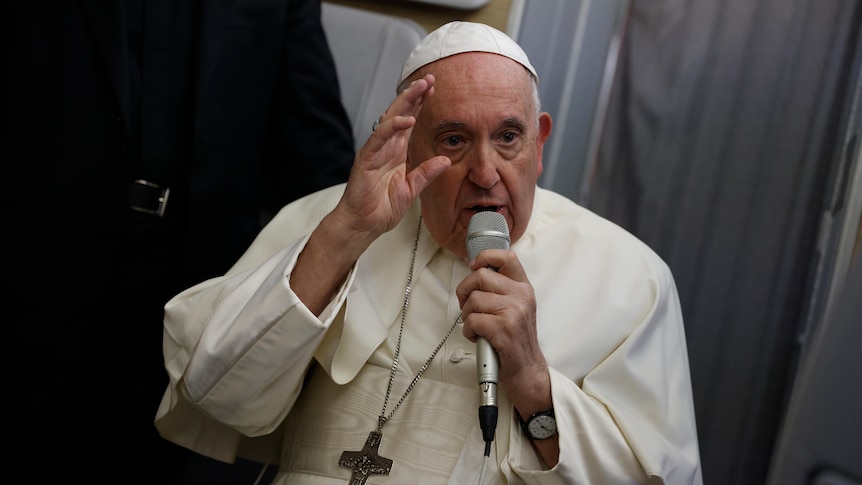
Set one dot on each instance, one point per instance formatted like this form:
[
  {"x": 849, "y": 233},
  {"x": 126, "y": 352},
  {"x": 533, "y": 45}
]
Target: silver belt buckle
[{"x": 163, "y": 198}]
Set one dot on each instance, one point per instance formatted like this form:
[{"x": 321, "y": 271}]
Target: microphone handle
[
  {"x": 488, "y": 369},
  {"x": 487, "y": 230},
  {"x": 487, "y": 364}
]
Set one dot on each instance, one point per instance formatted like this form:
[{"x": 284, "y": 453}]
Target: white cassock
[{"x": 238, "y": 348}]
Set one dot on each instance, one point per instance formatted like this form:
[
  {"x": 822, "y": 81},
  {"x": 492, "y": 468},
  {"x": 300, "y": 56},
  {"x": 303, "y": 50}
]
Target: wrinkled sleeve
[
  {"x": 237, "y": 349},
  {"x": 209, "y": 331},
  {"x": 628, "y": 418}
]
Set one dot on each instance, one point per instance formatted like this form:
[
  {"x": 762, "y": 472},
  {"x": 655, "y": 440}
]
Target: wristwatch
[{"x": 541, "y": 425}]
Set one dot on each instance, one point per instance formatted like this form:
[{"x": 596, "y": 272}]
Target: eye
[
  {"x": 452, "y": 141},
  {"x": 509, "y": 137}
]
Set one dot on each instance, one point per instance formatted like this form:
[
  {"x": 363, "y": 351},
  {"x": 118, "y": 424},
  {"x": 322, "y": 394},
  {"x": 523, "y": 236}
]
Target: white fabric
[
  {"x": 608, "y": 320},
  {"x": 459, "y": 37}
]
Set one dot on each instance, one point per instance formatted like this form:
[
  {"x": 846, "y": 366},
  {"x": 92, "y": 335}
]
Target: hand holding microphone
[{"x": 487, "y": 230}]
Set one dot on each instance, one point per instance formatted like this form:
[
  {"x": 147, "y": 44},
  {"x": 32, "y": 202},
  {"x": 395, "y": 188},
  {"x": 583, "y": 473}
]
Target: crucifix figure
[{"x": 366, "y": 462}]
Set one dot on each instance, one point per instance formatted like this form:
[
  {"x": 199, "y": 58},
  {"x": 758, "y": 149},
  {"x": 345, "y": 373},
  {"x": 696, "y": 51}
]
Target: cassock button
[{"x": 458, "y": 355}]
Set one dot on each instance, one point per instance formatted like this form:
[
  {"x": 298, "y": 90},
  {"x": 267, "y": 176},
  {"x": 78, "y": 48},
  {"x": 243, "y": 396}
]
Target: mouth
[{"x": 482, "y": 208}]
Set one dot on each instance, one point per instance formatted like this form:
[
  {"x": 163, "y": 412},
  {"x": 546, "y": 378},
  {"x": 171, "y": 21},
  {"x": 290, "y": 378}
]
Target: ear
[{"x": 545, "y": 128}]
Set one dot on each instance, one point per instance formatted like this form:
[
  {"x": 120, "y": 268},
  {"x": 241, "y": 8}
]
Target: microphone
[{"x": 487, "y": 230}]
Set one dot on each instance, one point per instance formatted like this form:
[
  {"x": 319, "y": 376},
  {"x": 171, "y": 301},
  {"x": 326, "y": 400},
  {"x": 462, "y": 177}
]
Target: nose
[{"x": 483, "y": 167}]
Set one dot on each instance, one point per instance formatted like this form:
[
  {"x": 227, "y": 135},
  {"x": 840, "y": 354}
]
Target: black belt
[{"x": 145, "y": 196}]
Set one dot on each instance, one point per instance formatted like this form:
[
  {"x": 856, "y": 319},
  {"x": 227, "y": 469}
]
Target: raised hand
[
  {"x": 379, "y": 191},
  {"x": 382, "y": 186}
]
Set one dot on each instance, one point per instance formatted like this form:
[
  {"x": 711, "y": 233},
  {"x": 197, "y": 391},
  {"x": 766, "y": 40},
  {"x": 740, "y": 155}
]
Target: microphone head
[{"x": 486, "y": 230}]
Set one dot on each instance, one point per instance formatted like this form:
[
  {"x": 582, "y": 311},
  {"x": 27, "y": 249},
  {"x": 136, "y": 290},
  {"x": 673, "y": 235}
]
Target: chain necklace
[{"x": 367, "y": 462}]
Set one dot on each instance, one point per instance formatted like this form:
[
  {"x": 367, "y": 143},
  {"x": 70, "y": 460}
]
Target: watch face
[{"x": 542, "y": 427}]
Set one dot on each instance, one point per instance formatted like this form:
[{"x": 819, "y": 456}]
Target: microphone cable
[{"x": 488, "y": 423}]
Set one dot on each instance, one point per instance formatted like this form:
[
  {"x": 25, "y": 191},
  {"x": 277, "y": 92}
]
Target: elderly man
[{"x": 342, "y": 345}]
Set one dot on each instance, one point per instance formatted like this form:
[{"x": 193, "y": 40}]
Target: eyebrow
[
  {"x": 515, "y": 122},
  {"x": 444, "y": 126},
  {"x": 448, "y": 126}
]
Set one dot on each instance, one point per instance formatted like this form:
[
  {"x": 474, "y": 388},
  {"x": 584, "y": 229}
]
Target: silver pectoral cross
[{"x": 366, "y": 462}]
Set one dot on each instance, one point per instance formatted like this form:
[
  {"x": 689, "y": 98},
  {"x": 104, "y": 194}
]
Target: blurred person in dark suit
[{"x": 148, "y": 142}]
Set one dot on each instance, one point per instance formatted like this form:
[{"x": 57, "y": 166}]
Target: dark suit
[{"x": 232, "y": 105}]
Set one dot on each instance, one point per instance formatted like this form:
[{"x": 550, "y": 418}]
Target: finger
[
  {"x": 480, "y": 285},
  {"x": 424, "y": 173},
  {"x": 392, "y": 129},
  {"x": 504, "y": 261},
  {"x": 388, "y": 143},
  {"x": 484, "y": 315},
  {"x": 476, "y": 282},
  {"x": 408, "y": 102}
]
